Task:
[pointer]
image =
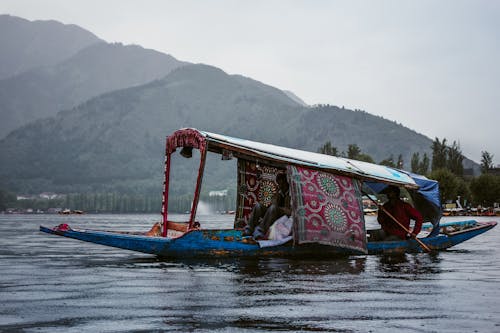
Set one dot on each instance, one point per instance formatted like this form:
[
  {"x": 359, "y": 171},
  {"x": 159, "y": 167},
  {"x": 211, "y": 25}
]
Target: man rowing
[{"x": 401, "y": 211}]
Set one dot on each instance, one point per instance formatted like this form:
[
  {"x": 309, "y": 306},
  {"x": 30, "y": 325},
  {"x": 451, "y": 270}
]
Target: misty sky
[{"x": 431, "y": 65}]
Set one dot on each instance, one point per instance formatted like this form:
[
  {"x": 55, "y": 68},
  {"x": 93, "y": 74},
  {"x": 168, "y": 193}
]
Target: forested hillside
[
  {"x": 94, "y": 70},
  {"x": 115, "y": 142},
  {"x": 107, "y": 108}
]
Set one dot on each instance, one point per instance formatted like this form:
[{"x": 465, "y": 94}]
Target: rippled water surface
[{"x": 55, "y": 284}]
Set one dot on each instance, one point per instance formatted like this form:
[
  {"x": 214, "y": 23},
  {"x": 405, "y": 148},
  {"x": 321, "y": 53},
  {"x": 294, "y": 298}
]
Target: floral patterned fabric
[
  {"x": 327, "y": 209},
  {"x": 256, "y": 183}
]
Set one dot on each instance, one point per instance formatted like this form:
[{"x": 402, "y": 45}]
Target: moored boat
[
  {"x": 327, "y": 211},
  {"x": 210, "y": 243}
]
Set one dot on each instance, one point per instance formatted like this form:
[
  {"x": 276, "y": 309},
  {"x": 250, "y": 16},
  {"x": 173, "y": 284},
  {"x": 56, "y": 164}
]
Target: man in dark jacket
[{"x": 403, "y": 212}]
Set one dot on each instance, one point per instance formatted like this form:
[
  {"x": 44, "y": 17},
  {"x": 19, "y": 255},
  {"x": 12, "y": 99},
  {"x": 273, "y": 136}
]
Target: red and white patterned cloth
[{"x": 327, "y": 209}]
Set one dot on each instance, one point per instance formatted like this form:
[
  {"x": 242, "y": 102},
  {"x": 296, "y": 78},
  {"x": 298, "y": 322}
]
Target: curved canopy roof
[{"x": 277, "y": 154}]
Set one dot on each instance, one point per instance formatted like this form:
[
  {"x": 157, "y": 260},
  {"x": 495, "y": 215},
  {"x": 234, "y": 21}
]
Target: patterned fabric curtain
[
  {"x": 256, "y": 183},
  {"x": 327, "y": 209}
]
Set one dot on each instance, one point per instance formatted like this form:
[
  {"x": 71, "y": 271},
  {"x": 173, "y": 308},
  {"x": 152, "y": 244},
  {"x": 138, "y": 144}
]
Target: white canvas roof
[{"x": 357, "y": 169}]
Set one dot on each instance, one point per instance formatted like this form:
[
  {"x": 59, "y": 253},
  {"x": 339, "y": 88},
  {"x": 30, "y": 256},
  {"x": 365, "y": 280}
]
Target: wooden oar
[{"x": 425, "y": 247}]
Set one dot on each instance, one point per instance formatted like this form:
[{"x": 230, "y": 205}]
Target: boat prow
[{"x": 451, "y": 234}]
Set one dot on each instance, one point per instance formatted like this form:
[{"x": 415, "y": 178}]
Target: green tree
[
  {"x": 418, "y": 166},
  {"x": 448, "y": 184},
  {"x": 486, "y": 161},
  {"x": 439, "y": 154},
  {"x": 454, "y": 161},
  {"x": 7, "y": 200},
  {"x": 463, "y": 190},
  {"x": 447, "y": 157},
  {"x": 415, "y": 162},
  {"x": 485, "y": 189},
  {"x": 424, "y": 165},
  {"x": 401, "y": 163},
  {"x": 353, "y": 152},
  {"x": 365, "y": 158},
  {"x": 328, "y": 149},
  {"x": 388, "y": 162}
]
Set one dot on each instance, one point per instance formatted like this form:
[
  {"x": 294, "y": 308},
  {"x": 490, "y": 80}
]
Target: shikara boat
[{"x": 327, "y": 211}]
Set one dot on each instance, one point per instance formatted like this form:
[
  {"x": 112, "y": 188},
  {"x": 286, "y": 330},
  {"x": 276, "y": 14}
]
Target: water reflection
[
  {"x": 263, "y": 266},
  {"x": 252, "y": 267},
  {"x": 259, "y": 294},
  {"x": 417, "y": 264},
  {"x": 410, "y": 263},
  {"x": 60, "y": 285}
]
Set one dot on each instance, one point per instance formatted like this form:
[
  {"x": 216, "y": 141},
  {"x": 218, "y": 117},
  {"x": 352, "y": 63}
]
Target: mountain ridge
[
  {"x": 29, "y": 44},
  {"x": 118, "y": 137},
  {"x": 111, "y": 138},
  {"x": 96, "y": 69}
]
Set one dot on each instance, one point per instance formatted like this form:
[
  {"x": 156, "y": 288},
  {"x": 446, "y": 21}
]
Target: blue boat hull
[
  {"x": 440, "y": 242},
  {"x": 214, "y": 243}
]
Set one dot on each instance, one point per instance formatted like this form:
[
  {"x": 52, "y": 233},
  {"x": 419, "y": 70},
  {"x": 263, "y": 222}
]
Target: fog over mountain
[
  {"x": 117, "y": 140},
  {"x": 107, "y": 108},
  {"x": 96, "y": 69},
  {"x": 29, "y": 44}
]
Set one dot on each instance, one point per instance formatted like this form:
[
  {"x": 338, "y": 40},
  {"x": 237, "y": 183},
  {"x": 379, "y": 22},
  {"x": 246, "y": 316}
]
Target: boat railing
[{"x": 177, "y": 229}]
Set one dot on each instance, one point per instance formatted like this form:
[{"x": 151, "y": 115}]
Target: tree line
[
  {"x": 116, "y": 202},
  {"x": 89, "y": 202},
  {"x": 445, "y": 165}
]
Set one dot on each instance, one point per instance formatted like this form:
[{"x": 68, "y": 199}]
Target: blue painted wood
[
  {"x": 427, "y": 226},
  {"x": 436, "y": 243},
  {"x": 214, "y": 243}
]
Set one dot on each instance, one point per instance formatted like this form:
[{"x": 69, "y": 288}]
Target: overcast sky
[{"x": 431, "y": 65}]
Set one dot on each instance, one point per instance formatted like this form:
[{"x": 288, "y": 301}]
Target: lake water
[{"x": 54, "y": 284}]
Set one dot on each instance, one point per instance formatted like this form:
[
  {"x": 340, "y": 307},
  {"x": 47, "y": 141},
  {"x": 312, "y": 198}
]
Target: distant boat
[
  {"x": 69, "y": 211},
  {"x": 327, "y": 211}
]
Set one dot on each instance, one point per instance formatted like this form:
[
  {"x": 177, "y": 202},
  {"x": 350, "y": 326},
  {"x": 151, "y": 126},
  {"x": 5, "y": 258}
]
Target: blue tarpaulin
[{"x": 426, "y": 198}]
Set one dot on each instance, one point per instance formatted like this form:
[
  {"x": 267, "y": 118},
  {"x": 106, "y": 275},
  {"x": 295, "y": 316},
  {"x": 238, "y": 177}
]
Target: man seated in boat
[
  {"x": 262, "y": 217},
  {"x": 401, "y": 211}
]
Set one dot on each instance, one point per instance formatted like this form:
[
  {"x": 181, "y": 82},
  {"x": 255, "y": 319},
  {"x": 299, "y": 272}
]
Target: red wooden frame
[{"x": 183, "y": 138}]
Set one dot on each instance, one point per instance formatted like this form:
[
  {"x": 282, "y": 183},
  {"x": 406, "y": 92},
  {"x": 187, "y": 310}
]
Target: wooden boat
[
  {"x": 210, "y": 243},
  {"x": 327, "y": 210}
]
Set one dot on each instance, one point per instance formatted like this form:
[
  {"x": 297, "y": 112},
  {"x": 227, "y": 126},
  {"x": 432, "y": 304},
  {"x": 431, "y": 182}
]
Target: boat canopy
[
  {"x": 269, "y": 153},
  {"x": 311, "y": 176}
]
